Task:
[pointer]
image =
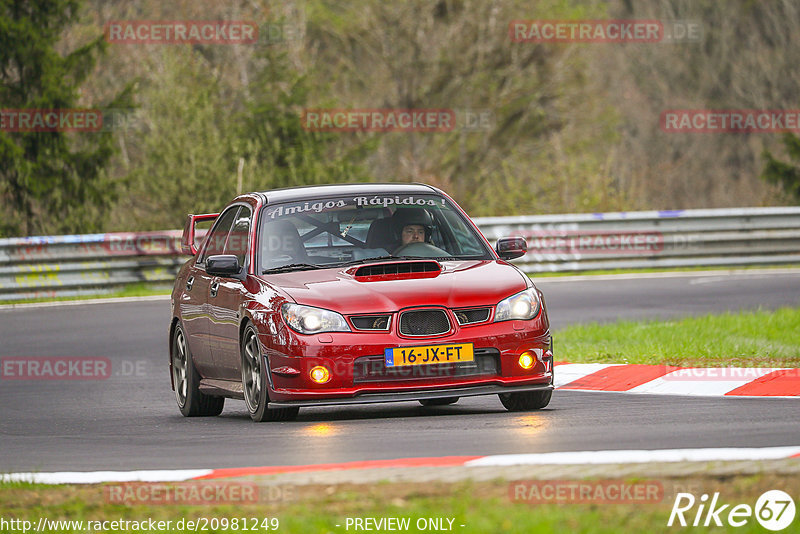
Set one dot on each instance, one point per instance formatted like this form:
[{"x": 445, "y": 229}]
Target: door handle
[
  {"x": 189, "y": 283},
  {"x": 214, "y": 288}
]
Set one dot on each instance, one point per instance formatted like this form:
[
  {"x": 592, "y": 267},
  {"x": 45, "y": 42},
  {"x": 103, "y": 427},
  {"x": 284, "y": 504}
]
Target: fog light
[
  {"x": 527, "y": 359},
  {"x": 320, "y": 374}
]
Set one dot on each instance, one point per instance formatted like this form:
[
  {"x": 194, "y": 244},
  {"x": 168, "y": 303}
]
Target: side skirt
[{"x": 222, "y": 388}]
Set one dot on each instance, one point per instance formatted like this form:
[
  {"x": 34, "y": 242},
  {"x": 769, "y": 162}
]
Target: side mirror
[
  {"x": 509, "y": 248},
  {"x": 225, "y": 265}
]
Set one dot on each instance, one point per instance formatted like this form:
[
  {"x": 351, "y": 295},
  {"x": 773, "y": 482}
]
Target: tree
[
  {"x": 277, "y": 149},
  {"x": 197, "y": 139},
  {"x": 785, "y": 174},
  {"x": 545, "y": 143},
  {"x": 52, "y": 181},
  {"x": 183, "y": 156}
]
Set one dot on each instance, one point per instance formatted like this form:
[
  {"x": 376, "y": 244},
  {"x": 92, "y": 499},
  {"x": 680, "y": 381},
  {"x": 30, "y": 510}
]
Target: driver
[
  {"x": 413, "y": 233},
  {"x": 411, "y": 225}
]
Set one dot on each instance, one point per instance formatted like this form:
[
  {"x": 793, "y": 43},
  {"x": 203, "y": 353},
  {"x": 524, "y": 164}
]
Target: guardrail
[
  {"x": 74, "y": 265},
  {"x": 53, "y": 266},
  {"x": 653, "y": 239}
]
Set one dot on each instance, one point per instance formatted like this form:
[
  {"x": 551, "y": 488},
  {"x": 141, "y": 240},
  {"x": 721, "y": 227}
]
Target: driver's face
[{"x": 413, "y": 233}]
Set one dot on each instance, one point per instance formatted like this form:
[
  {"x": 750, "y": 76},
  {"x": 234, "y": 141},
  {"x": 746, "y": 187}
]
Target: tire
[
  {"x": 191, "y": 402},
  {"x": 444, "y": 401},
  {"x": 526, "y": 400},
  {"x": 255, "y": 383}
]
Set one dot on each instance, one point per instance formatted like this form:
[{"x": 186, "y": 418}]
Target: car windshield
[{"x": 330, "y": 232}]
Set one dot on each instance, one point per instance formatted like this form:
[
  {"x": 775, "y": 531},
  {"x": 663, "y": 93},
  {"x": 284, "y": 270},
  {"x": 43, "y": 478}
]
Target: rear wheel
[
  {"x": 439, "y": 402},
  {"x": 255, "y": 384},
  {"x": 191, "y": 401},
  {"x": 526, "y": 400}
]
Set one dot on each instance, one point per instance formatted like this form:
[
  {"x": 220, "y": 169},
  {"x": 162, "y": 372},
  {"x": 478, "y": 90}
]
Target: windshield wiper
[
  {"x": 290, "y": 267},
  {"x": 469, "y": 257},
  {"x": 365, "y": 260}
]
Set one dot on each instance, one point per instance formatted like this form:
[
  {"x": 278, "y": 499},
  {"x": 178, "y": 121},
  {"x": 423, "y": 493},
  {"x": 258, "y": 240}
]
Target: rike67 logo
[{"x": 774, "y": 510}]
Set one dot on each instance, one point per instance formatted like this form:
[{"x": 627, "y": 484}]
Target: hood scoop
[{"x": 397, "y": 270}]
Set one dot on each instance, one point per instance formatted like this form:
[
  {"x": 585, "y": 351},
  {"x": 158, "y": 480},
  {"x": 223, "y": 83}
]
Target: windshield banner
[{"x": 375, "y": 201}]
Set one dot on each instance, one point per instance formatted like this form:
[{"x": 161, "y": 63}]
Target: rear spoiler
[{"x": 187, "y": 239}]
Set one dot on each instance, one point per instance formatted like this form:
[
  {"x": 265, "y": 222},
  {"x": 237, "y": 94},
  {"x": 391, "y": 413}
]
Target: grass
[
  {"x": 142, "y": 289},
  {"x": 479, "y": 506},
  {"x": 745, "y": 339}
]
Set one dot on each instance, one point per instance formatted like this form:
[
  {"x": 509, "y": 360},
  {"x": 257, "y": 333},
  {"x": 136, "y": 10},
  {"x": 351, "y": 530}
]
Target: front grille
[
  {"x": 371, "y": 322},
  {"x": 373, "y": 368},
  {"x": 475, "y": 315},
  {"x": 405, "y": 267},
  {"x": 424, "y": 323}
]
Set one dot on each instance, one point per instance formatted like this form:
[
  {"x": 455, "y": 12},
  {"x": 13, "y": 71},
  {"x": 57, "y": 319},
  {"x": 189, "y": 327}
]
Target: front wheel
[
  {"x": 526, "y": 400},
  {"x": 255, "y": 384},
  {"x": 191, "y": 401}
]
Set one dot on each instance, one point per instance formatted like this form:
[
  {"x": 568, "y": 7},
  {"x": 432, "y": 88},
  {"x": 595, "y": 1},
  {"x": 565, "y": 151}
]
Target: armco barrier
[
  {"x": 653, "y": 239},
  {"x": 72, "y": 265},
  {"x": 96, "y": 263}
]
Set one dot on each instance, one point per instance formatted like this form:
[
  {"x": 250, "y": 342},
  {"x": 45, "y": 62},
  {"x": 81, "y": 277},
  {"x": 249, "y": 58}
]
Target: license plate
[{"x": 429, "y": 354}]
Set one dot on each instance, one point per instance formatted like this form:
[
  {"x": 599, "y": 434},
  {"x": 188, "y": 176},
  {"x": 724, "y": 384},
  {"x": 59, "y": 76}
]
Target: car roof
[{"x": 317, "y": 191}]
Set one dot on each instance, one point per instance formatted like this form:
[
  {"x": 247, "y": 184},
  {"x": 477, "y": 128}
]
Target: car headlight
[
  {"x": 523, "y": 305},
  {"x": 308, "y": 320}
]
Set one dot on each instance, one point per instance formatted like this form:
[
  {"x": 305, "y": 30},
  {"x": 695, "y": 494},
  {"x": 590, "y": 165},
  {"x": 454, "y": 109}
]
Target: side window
[
  {"x": 219, "y": 233},
  {"x": 239, "y": 238}
]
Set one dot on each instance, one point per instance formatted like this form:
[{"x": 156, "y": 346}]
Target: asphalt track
[{"x": 130, "y": 421}]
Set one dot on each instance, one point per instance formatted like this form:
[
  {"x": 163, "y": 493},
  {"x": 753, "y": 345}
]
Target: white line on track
[
  {"x": 570, "y": 372},
  {"x": 636, "y": 456},
  {"x": 95, "y": 477},
  {"x": 552, "y": 458},
  {"x": 117, "y": 300},
  {"x": 666, "y": 274}
]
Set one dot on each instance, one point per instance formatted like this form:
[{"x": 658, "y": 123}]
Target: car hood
[{"x": 460, "y": 284}]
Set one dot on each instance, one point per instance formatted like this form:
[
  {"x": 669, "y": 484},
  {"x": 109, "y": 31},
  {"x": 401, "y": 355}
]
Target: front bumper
[
  {"x": 290, "y": 357},
  {"x": 374, "y": 398}
]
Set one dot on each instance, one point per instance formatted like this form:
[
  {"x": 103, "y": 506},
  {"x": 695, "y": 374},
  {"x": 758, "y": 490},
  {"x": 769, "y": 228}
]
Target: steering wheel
[{"x": 418, "y": 248}]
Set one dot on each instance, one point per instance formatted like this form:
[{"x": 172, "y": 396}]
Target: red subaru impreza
[{"x": 357, "y": 293}]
